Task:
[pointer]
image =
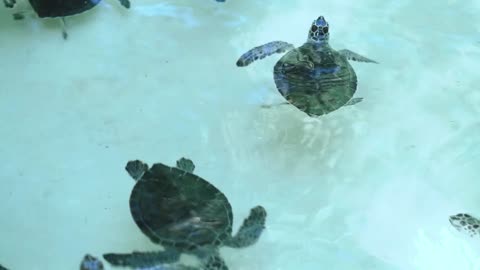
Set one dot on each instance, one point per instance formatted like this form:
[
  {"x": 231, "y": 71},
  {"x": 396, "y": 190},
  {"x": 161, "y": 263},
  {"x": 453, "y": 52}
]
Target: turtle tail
[
  {"x": 251, "y": 229},
  {"x": 263, "y": 51}
]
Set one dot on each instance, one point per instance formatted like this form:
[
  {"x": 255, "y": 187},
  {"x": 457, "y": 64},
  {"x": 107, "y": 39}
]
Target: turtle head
[
  {"x": 136, "y": 169},
  {"x": 318, "y": 32}
]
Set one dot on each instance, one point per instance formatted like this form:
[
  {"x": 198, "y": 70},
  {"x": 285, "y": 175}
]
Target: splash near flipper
[{"x": 263, "y": 51}]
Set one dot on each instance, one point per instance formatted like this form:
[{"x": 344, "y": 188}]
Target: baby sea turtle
[
  {"x": 465, "y": 223},
  {"x": 59, "y": 9},
  {"x": 91, "y": 263},
  {"x": 313, "y": 77},
  {"x": 9, "y": 4},
  {"x": 185, "y": 214}
]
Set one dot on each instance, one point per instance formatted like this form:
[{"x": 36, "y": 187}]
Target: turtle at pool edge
[
  {"x": 58, "y": 9},
  {"x": 186, "y": 215},
  {"x": 314, "y": 77}
]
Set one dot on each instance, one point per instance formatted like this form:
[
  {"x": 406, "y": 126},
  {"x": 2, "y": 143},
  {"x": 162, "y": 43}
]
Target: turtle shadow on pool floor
[{"x": 57, "y": 9}]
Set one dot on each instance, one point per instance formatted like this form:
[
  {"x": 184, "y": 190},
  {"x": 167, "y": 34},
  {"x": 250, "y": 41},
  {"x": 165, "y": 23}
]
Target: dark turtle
[
  {"x": 91, "y": 263},
  {"x": 313, "y": 77},
  {"x": 59, "y": 9},
  {"x": 9, "y": 4},
  {"x": 466, "y": 223},
  {"x": 185, "y": 214}
]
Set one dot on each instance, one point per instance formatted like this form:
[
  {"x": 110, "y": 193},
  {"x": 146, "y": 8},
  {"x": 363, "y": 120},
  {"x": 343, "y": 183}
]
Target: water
[{"x": 369, "y": 186}]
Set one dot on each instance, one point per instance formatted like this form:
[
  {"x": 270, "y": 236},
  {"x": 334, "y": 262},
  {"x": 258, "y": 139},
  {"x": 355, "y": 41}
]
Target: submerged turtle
[
  {"x": 466, "y": 223},
  {"x": 91, "y": 263},
  {"x": 59, "y": 9},
  {"x": 313, "y": 77},
  {"x": 9, "y": 4},
  {"x": 185, "y": 214}
]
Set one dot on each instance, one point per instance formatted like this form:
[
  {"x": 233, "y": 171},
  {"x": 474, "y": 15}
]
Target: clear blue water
[{"x": 367, "y": 187}]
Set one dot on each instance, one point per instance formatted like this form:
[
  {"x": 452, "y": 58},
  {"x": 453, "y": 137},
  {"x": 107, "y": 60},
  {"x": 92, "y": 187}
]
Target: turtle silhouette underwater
[
  {"x": 59, "y": 9},
  {"x": 91, "y": 263},
  {"x": 186, "y": 215},
  {"x": 314, "y": 77},
  {"x": 466, "y": 223}
]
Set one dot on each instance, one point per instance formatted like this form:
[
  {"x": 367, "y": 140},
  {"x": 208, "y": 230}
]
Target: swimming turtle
[
  {"x": 314, "y": 77},
  {"x": 466, "y": 223},
  {"x": 185, "y": 214},
  {"x": 91, "y": 263},
  {"x": 59, "y": 9},
  {"x": 9, "y": 4}
]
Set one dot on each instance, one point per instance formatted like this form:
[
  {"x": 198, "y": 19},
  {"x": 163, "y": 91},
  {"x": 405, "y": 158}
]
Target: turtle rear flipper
[
  {"x": 215, "y": 262},
  {"x": 251, "y": 229},
  {"x": 142, "y": 259},
  {"x": 356, "y": 57},
  {"x": 263, "y": 51},
  {"x": 186, "y": 165}
]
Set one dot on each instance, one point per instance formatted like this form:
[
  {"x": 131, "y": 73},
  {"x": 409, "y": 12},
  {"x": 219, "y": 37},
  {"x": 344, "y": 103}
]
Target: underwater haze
[{"x": 366, "y": 187}]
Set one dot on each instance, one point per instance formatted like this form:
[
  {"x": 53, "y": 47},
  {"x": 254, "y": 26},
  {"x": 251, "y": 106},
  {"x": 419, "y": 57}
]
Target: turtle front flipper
[
  {"x": 64, "y": 28},
  {"x": 186, "y": 165},
  {"x": 263, "y": 51},
  {"x": 3, "y": 268},
  {"x": 142, "y": 259},
  {"x": 356, "y": 57},
  {"x": 251, "y": 229}
]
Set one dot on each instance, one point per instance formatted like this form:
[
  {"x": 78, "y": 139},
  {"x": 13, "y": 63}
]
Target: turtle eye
[
  {"x": 325, "y": 29},
  {"x": 314, "y": 28}
]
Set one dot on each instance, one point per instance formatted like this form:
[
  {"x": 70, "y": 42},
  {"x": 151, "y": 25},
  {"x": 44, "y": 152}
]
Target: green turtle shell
[
  {"x": 178, "y": 209},
  {"x": 315, "y": 78}
]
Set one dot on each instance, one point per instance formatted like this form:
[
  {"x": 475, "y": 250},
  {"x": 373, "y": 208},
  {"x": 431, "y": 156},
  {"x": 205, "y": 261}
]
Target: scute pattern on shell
[{"x": 179, "y": 209}]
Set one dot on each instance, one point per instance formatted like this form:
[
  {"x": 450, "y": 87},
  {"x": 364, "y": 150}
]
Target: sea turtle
[
  {"x": 91, "y": 263},
  {"x": 185, "y": 214},
  {"x": 9, "y": 4},
  {"x": 313, "y": 77},
  {"x": 58, "y": 9},
  {"x": 465, "y": 223}
]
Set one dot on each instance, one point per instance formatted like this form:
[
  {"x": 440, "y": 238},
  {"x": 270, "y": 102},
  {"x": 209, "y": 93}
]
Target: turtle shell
[
  {"x": 178, "y": 209},
  {"x": 315, "y": 78},
  {"x": 61, "y": 8}
]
